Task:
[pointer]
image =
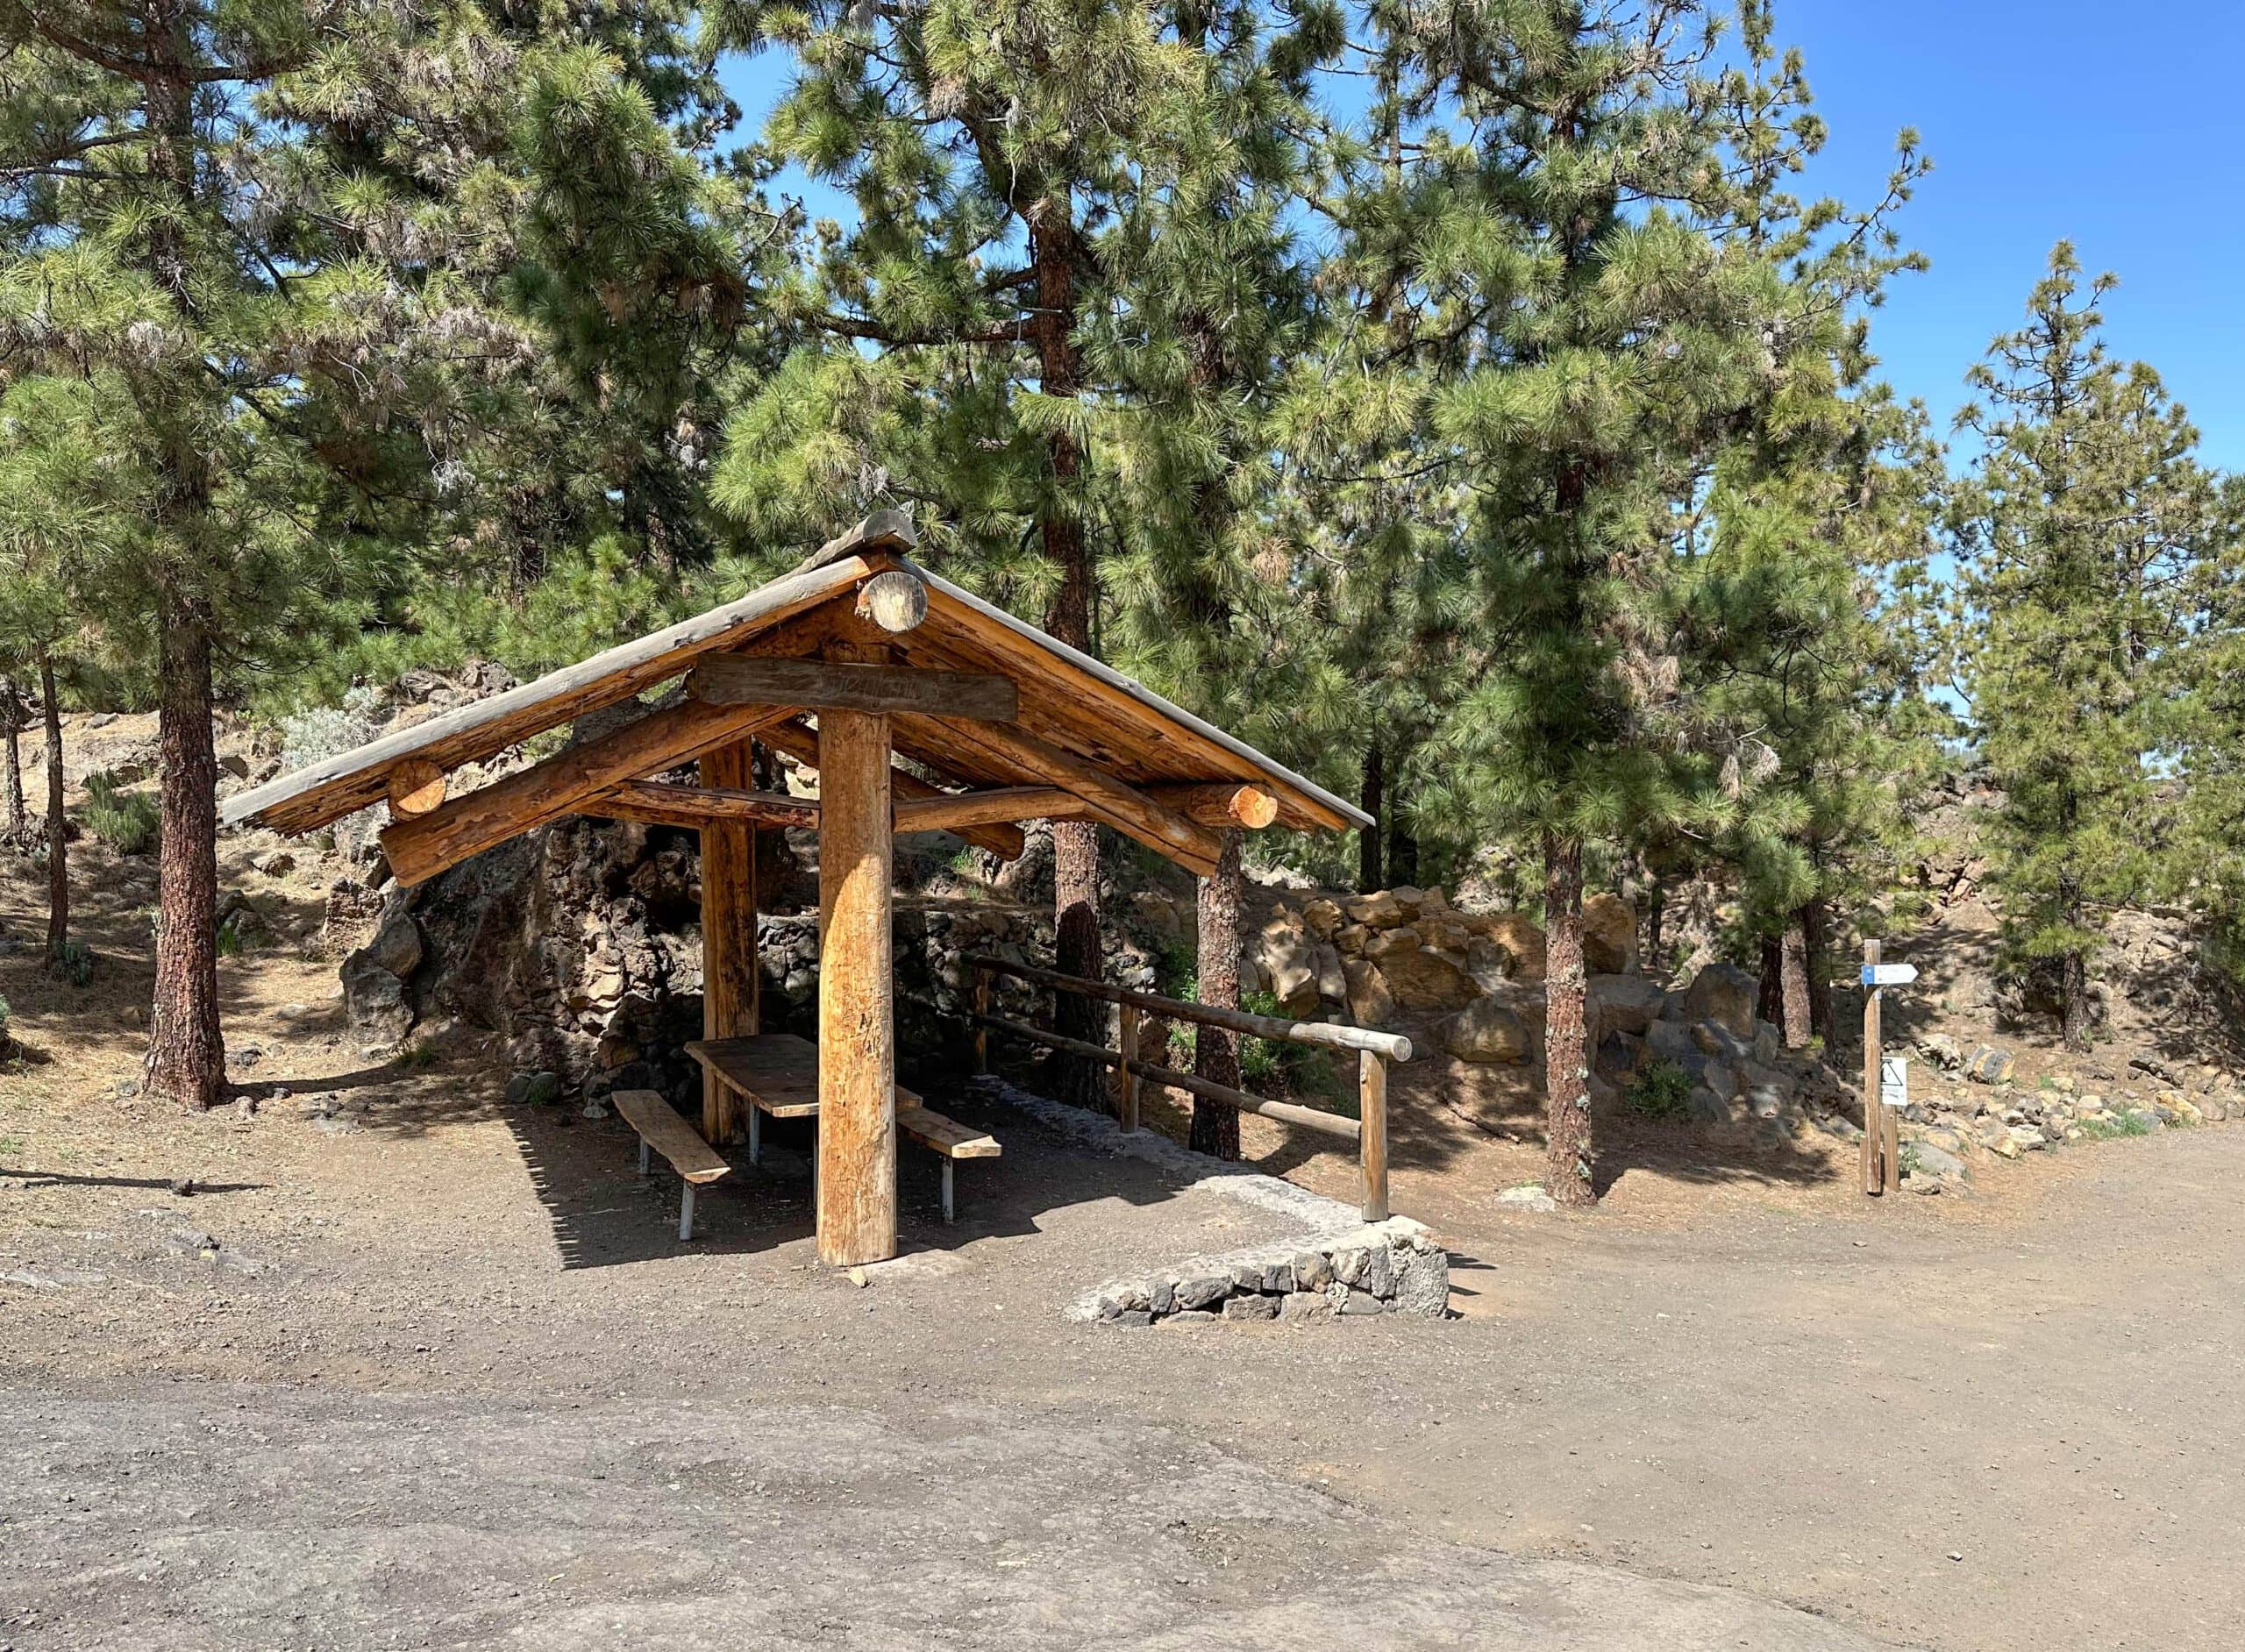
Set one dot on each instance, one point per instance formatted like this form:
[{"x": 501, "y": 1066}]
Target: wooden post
[
  {"x": 730, "y": 975},
  {"x": 981, "y": 1008},
  {"x": 1126, "y": 1109},
  {"x": 857, "y": 1025},
  {"x": 1371, "y": 1120},
  {"x": 1874, "y": 1125}
]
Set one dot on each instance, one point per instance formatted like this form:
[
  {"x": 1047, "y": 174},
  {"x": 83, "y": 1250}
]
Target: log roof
[{"x": 1080, "y": 726}]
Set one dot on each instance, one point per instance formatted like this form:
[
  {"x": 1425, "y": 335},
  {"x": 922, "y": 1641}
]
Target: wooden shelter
[{"x": 855, "y": 659}]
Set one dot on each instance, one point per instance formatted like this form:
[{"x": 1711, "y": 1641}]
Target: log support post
[
  {"x": 1126, "y": 1101},
  {"x": 1371, "y": 1141},
  {"x": 857, "y": 1027},
  {"x": 729, "y": 1008},
  {"x": 981, "y": 1008}
]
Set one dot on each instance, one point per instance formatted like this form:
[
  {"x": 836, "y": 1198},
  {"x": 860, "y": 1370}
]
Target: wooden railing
[{"x": 1368, "y": 1131}]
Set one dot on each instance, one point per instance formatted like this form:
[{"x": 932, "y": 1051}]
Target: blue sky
[{"x": 2118, "y": 129}]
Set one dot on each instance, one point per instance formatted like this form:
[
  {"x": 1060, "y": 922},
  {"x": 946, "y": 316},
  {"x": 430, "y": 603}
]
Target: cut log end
[
  {"x": 894, "y": 601},
  {"x": 417, "y": 787}
]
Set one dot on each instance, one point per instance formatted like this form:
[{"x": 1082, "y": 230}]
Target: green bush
[
  {"x": 76, "y": 964},
  {"x": 1662, "y": 1091},
  {"x": 125, "y": 820},
  {"x": 2120, "y": 1124}
]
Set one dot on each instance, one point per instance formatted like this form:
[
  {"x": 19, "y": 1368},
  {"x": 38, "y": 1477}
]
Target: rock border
[{"x": 1388, "y": 1267}]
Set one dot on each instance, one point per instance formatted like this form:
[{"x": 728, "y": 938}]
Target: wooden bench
[
  {"x": 660, "y": 1128},
  {"x": 777, "y": 1073}
]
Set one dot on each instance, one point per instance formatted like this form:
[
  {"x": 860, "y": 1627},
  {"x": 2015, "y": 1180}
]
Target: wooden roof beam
[
  {"x": 421, "y": 848},
  {"x": 661, "y": 804},
  {"x": 801, "y": 743},
  {"x": 817, "y": 685},
  {"x": 1119, "y": 804}
]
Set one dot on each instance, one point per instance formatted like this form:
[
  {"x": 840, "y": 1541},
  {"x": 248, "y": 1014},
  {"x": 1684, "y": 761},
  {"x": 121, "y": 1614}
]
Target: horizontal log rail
[
  {"x": 1368, "y": 1131},
  {"x": 1393, "y": 1046}
]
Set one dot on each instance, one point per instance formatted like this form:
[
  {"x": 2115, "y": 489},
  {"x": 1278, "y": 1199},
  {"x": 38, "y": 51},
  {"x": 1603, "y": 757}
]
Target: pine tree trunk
[
  {"x": 2073, "y": 1001},
  {"x": 1216, "y": 1050},
  {"x": 1402, "y": 850},
  {"x": 11, "y": 782},
  {"x": 1566, "y": 1053},
  {"x": 1823, "y": 1019},
  {"x": 58, "y": 843},
  {"x": 1793, "y": 999},
  {"x": 186, "y": 1058},
  {"x": 1770, "y": 999},
  {"x": 1370, "y": 797},
  {"x": 1075, "y": 843}
]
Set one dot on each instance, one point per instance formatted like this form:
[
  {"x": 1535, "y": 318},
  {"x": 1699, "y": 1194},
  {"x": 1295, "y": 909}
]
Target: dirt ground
[{"x": 446, "y": 1378}]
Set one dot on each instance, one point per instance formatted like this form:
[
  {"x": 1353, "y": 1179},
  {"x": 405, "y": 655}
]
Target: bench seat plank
[
  {"x": 947, "y": 1135},
  {"x": 776, "y": 1072},
  {"x": 661, "y": 1127}
]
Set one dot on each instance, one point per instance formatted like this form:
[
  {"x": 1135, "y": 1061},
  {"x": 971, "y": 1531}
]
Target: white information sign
[
  {"x": 1889, "y": 974},
  {"x": 1894, "y": 1081}
]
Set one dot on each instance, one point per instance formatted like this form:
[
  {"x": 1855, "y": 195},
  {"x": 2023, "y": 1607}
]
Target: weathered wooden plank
[
  {"x": 777, "y": 1072},
  {"x": 667, "y": 804},
  {"x": 729, "y": 976},
  {"x": 729, "y": 680},
  {"x": 325, "y": 791},
  {"x": 801, "y": 743},
  {"x": 950, "y": 811},
  {"x": 857, "y": 1021},
  {"x": 661, "y": 1127},
  {"x": 947, "y": 1135},
  {"x": 418, "y": 850}
]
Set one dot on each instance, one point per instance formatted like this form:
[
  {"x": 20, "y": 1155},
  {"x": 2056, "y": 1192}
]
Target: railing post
[
  {"x": 1127, "y": 1100},
  {"x": 981, "y": 998},
  {"x": 1372, "y": 1121}
]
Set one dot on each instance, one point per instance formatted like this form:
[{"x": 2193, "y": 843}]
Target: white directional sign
[{"x": 1889, "y": 974}]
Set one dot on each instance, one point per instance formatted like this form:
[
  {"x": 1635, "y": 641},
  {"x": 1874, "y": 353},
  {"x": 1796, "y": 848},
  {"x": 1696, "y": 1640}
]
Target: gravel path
[{"x": 447, "y": 1380}]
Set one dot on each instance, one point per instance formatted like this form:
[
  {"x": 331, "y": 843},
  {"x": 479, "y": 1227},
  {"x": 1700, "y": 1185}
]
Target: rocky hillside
[{"x": 574, "y": 955}]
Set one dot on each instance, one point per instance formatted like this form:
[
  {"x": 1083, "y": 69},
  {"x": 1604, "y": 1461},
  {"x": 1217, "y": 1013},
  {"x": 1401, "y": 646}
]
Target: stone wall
[{"x": 1392, "y": 1266}]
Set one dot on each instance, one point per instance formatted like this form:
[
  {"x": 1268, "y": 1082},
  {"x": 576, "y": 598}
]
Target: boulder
[
  {"x": 1671, "y": 1041},
  {"x": 1369, "y": 1002},
  {"x": 1989, "y": 1063},
  {"x": 1627, "y": 1003},
  {"x": 1724, "y": 994},
  {"x": 1379, "y": 910},
  {"x": 1609, "y": 936},
  {"x": 1487, "y": 1030},
  {"x": 1332, "y": 980},
  {"x": 1288, "y": 959},
  {"x": 1321, "y": 918},
  {"x": 1517, "y": 937},
  {"x": 1423, "y": 980},
  {"x": 1487, "y": 963}
]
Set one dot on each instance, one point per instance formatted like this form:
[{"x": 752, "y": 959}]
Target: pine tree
[
  {"x": 2084, "y": 523},
  {"x": 296, "y": 270},
  {"x": 1030, "y": 327},
  {"x": 1577, "y": 250}
]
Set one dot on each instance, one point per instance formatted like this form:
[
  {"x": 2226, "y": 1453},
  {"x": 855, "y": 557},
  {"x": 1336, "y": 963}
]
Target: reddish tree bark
[
  {"x": 1374, "y": 803},
  {"x": 186, "y": 1060},
  {"x": 1770, "y": 999},
  {"x": 11, "y": 782},
  {"x": 1075, "y": 843},
  {"x": 1566, "y": 1053},
  {"x": 186, "y": 1057},
  {"x": 1216, "y": 1050},
  {"x": 1792, "y": 963},
  {"x": 58, "y": 842},
  {"x": 1823, "y": 1021}
]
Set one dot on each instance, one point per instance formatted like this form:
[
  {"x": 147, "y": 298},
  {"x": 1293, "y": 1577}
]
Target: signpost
[{"x": 1882, "y": 1106}]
